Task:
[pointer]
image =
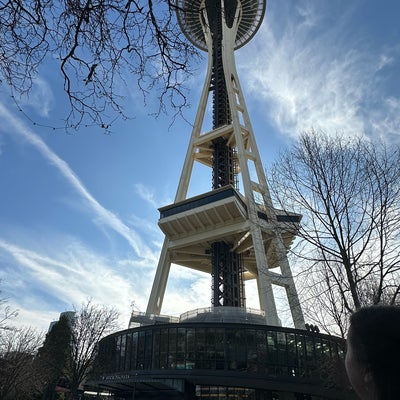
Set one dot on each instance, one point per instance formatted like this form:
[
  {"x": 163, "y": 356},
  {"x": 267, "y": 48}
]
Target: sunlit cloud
[
  {"x": 186, "y": 290},
  {"x": 189, "y": 289},
  {"x": 318, "y": 79},
  {"x": 103, "y": 216},
  {"x": 71, "y": 278}
]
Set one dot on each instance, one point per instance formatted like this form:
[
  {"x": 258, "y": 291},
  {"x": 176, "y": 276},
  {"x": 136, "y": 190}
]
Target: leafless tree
[
  {"x": 6, "y": 313},
  {"x": 348, "y": 191},
  {"x": 18, "y": 346},
  {"x": 91, "y": 323},
  {"x": 18, "y": 378},
  {"x": 100, "y": 46}
]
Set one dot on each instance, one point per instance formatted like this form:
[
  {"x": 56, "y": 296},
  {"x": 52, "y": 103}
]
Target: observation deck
[
  {"x": 189, "y": 13},
  {"x": 191, "y": 226}
]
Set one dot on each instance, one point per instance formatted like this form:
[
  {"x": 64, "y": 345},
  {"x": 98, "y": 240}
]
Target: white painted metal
[
  {"x": 164, "y": 264},
  {"x": 241, "y": 133}
]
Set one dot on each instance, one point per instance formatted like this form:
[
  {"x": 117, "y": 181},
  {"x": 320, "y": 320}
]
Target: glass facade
[{"x": 251, "y": 349}]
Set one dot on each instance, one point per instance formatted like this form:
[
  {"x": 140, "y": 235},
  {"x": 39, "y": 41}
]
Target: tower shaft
[
  {"x": 228, "y": 285},
  {"x": 221, "y": 109},
  {"x": 233, "y": 236}
]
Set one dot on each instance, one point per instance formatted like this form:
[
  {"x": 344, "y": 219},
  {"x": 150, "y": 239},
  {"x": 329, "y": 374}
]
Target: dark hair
[{"x": 375, "y": 340}]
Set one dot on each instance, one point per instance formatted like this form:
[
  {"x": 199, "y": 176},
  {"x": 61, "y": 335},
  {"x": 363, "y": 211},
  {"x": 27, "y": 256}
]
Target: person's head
[{"x": 373, "y": 353}]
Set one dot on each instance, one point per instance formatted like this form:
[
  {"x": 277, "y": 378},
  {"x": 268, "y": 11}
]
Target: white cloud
[
  {"x": 146, "y": 194},
  {"x": 70, "y": 278},
  {"x": 187, "y": 289},
  {"x": 386, "y": 119},
  {"x": 64, "y": 272},
  {"x": 318, "y": 78},
  {"x": 32, "y": 317},
  {"x": 384, "y": 61},
  {"x": 41, "y": 97},
  {"x": 308, "y": 14},
  {"x": 103, "y": 216}
]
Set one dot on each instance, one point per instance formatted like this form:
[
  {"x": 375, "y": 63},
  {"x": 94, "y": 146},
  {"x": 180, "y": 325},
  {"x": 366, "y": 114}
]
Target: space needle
[
  {"x": 234, "y": 233},
  {"x": 250, "y": 242}
]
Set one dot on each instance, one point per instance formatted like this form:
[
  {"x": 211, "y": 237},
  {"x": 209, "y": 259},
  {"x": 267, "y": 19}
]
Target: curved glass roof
[{"x": 188, "y": 12}]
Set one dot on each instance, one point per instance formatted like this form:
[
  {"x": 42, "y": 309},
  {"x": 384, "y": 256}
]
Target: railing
[{"x": 224, "y": 314}]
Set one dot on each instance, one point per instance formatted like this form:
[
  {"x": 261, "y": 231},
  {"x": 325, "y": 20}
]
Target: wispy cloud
[
  {"x": 52, "y": 284},
  {"x": 41, "y": 97},
  {"x": 319, "y": 78},
  {"x": 54, "y": 280},
  {"x": 74, "y": 275},
  {"x": 146, "y": 194},
  {"x": 103, "y": 216},
  {"x": 189, "y": 289}
]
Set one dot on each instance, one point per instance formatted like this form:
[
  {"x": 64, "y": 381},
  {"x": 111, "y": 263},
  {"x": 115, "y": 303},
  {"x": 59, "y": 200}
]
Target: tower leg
[
  {"x": 291, "y": 292},
  {"x": 164, "y": 264},
  {"x": 160, "y": 282},
  {"x": 264, "y": 283},
  {"x": 247, "y": 151}
]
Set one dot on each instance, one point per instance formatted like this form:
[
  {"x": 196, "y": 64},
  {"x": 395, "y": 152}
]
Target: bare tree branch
[
  {"x": 348, "y": 191},
  {"x": 91, "y": 323},
  {"x": 104, "y": 49}
]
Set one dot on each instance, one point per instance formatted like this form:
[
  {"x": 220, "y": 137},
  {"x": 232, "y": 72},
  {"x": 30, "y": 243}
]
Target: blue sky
[{"x": 78, "y": 212}]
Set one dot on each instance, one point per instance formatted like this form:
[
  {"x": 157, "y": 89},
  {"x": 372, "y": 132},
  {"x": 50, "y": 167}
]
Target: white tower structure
[
  {"x": 225, "y": 351},
  {"x": 235, "y": 235}
]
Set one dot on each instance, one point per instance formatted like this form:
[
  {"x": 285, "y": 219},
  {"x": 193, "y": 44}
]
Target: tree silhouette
[
  {"x": 100, "y": 47},
  {"x": 348, "y": 190},
  {"x": 53, "y": 357}
]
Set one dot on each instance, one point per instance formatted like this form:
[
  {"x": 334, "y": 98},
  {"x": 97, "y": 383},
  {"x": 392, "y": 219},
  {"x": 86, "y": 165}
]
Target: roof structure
[{"x": 189, "y": 18}]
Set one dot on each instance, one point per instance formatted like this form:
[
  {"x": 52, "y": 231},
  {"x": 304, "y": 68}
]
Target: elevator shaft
[
  {"x": 221, "y": 110},
  {"x": 227, "y": 269}
]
